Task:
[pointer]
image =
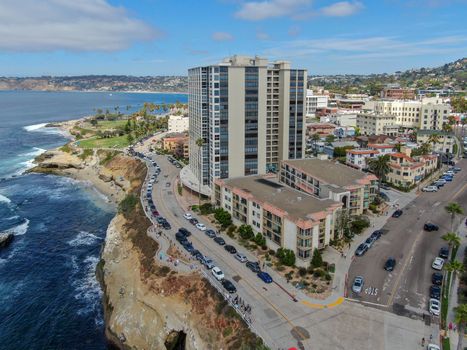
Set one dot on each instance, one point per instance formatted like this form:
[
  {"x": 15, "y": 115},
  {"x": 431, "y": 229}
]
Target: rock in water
[{"x": 5, "y": 239}]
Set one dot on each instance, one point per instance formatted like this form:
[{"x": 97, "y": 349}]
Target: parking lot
[{"x": 406, "y": 289}]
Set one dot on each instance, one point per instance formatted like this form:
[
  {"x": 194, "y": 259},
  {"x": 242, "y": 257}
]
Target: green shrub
[
  {"x": 87, "y": 152},
  {"x": 317, "y": 259},
  {"x": 359, "y": 224},
  {"x": 302, "y": 271},
  {"x": 246, "y": 232},
  {"x": 206, "y": 209},
  {"x": 286, "y": 256},
  {"x": 127, "y": 205},
  {"x": 223, "y": 217},
  {"x": 227, "y": 331},
  {"x": 66, "y": 148}
]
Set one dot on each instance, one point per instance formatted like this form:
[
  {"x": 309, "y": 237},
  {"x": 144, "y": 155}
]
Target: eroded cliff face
[{"x": 148, "y": 306}]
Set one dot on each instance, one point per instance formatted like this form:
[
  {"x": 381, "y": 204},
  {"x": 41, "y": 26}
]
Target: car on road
[
  {"x": 438, "y": 263},
  {"x": 376, "y": 234},
  {"x": 188, "y": 247},
  {"x": 361, "y": 249},
  {"x": 397, "y": 213},
  {"x": 217, "y": 273},
  {"x": 369, "y": 241},
  {"x": 208, "y": 263},
  {"x": 160, "y": 220},
  {"x": 447, "y": 178},
  {"x": 437, "y": 278},
  {"x": 449, "y": 173},
  {"x": 193, "y": 221},
  {"x": 430, "y": 189},
  {"x": 390, "y": 264},
  {"x": 435, "y": 292},
  {"x": 456, "y": 169},
  {"x": 219, "y": 240},
  {"x": 210, "y": 233},
  {"x": 385, "y": 187},
  {"x": 265, "y": 277},
  {"x": 433, "y": 347},
  {"x": 440, "y": 182},
  {"x": 241, "y": 257},
  {"x": 229, "y": 286},
  {"x": 187, "y": 216},
  {"x": 230, "y": 248},
  {"x": 430, "y": 227},
  {"x": 184, "y": 231},
  {"x": 357, "y": 284},
  {"x": 200, "y": 226},
  {"x": 253, "y": 266},
  {"x": 166, "y": 225},
  {"x": 443, "y": 252},
  {"x": 435, "y": 307}
]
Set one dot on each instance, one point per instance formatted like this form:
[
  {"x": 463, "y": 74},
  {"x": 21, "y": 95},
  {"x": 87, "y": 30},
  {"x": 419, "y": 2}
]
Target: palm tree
[
  {"x": 454, "y": 267},
  {"x": 460, "y": 317},
  {"x": 434, "y": 139},
  {"x": 380, "y": 167},
  {"x": 199, "y": 143},
  {"x": 454, "y": 209},
  {"x": 315, "y": 138},
  {"x": 453, "y": 240}
]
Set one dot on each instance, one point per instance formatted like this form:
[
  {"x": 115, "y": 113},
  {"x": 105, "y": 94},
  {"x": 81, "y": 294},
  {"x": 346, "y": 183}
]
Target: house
[
  {"x": 177, "y": 144},
  {"x": 322, "y": 129},
  {"x": 340, "y": 146},
  {"x": 383, "y": 148},
  {"x": 444, "y": 145},
  {"x": 358, "y": 158},
  {"x": 406, "y": 171}
]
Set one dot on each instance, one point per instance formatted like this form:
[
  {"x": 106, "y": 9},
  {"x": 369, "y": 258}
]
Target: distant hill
[
  {"x": 451, "y": 75},
  {"x": 97, "y": 83}
]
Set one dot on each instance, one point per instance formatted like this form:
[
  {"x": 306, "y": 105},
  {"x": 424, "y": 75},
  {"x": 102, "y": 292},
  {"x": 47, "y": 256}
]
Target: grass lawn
[
  {"x": 445, "y": 300},
  {"x": 105, "y": 124},
  {"x": 112, "y": 142}
]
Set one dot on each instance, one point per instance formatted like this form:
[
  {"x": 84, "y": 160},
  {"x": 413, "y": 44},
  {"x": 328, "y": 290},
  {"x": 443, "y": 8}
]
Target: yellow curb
[{"x": 339, "y": 301}]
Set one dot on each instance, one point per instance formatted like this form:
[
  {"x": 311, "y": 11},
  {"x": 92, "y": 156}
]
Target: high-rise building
[{"x": 246, "y": 115}]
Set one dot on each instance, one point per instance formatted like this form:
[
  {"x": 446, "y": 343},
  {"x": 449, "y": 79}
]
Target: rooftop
[
  {"x": 298, "y": 205},
  {"x": 330, "y": 172},
  {"x": 433, "y": 132}
]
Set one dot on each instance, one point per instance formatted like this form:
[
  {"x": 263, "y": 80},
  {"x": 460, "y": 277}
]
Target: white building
[
  {"x": 342, "y": 118},
  {"x": 358, "y": 158},
  {"x": 377, "y": 124},
  {"x": 314, "y": 102},
  {"x": 178, "y": 123}
]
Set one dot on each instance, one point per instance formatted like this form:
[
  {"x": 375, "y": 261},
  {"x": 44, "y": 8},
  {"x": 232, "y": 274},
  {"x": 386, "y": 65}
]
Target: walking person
[{"x": 423, "y": 341}]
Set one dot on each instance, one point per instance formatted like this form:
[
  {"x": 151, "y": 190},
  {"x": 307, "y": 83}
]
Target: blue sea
[{"x": 49, "y": 295}]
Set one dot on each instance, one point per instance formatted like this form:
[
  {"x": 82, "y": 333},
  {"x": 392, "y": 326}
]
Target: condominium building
[
  {"x": 177, "y": 144},
  {"x": 398, "y": 93},
  {"x": 245, "y": 117},
  {"x": 358, "y": 158},
  {"x": 445, "y": 144},
  {"x": 407, "y": 171},
  {"x": 326, "y": 179},
  {"x": 314, "y": 102},
  {"x": 178, "y": 123},
  {"x": 377, "y": 124},
  {"x": 286, "y": 217}
]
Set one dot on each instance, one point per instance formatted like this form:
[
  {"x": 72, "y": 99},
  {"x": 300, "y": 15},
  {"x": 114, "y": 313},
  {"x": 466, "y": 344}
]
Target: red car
[{"x": 155, "y": 213}]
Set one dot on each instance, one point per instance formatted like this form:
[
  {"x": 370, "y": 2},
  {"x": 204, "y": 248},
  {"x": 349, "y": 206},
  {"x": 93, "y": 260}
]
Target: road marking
[
  {"x": 365, "y": 302},
  {"x": 371, "y": 291},
  {"x": 337, "y": 302}
]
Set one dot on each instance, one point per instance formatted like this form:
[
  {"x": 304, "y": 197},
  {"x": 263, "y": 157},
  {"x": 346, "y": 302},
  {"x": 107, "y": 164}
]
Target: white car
[
  {"x": 241, "y": 257},
  {"x": 188, "y": 216},
  {"x": 430, "y": 189},
  {"x": 433, "y": 347},
  {"x": 200, "y": 226},
  {"x": 450, "y": 173},
  {"x": 217, "y": 273},
  {"x": 438, "y": 263},
  {"x": 435, "y": 306},
  {"x": 357, "y": 285}
]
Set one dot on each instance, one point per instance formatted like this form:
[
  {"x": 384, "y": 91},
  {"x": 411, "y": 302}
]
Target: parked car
[
  {"x": 456, "y": 169},
  {"x": 447, "y": 178},
  {"x": 430, "y": 227},
  {"x": 440, "y": 182},
  {"x": 265, "y": 277},
  {"x": 230, "y": 248},
  {"x": 435, "y": 307},
  {"x": 397, "y": 213},
  {"x": 160, "y": 220},
  {"x": 229, "y": 286},
  {"x": 438, "y": 263},
  {"x": 219, "y": 240},
  {"x": 376, "y": 234},
  {"x": 433, "y": 347},
  {"x": 437, "y": 278},
  {"x": 217, "y": 273},
  {"x": 188, "y": 247},
  {"x": 200, "y": 226},
  {"x": 435, "y": 292},
  {"x": 208, "y": 263},
  {"x": 430, "y": 189},
  {"x": 385, "y": 186},
  {"x": 187, "y": 216},
  {"x": 369, "y": 242},
  {"x": 357, "y": 284},
  {"x": 253, "y": 266},
  {"x": 193, "y": 221},
  {"x": 443, "y": 252},
  {"x": 184, "y": 231},
  {"x": 241, "y": 257},
  {"x": 361, "y": 249},
  {"x": 210, "y": 233},
  {"x": 166, "y": 225},
  {"x": 390, "y": 264}
]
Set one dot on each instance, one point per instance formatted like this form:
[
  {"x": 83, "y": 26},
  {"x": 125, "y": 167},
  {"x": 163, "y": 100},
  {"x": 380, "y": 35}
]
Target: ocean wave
[
  {"x": 36, "y": 152},
  {"x": 87, "y": 289},
  {"x": 20, "y": 229},
  {"x": 84, "y": 238},
  {"x": 34, "y": 127},
  {"x": 4, "y": 199}
]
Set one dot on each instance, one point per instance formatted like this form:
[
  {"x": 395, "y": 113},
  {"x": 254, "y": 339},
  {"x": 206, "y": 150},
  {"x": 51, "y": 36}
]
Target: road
[{"x": 406, "y": 290}]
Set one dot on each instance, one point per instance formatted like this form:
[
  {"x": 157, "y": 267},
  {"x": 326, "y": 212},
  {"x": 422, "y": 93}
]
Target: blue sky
[{"x": 155, "y": 37}]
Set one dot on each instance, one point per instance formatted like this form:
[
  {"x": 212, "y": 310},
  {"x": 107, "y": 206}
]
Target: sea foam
[
  {"x": 4, "y": 199},
  {"x": 34, "y": 127},
  {"x": 19, "y": 230}
]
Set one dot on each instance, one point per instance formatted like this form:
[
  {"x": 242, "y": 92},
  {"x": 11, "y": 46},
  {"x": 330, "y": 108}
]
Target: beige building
[
  {"x": 285, "y": 217},
  {"x": 326, "y": 179},
  {"x": 377, "y": 124},
  {"x": 249, "y": 115},
  {"x": 446, "y": 140},
  {"x": 178, "y": 123},
  {"x": 407, "y": 171}
]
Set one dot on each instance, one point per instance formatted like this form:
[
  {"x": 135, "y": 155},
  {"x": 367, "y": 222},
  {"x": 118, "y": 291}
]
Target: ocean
[{"x": 49, "y": 295}]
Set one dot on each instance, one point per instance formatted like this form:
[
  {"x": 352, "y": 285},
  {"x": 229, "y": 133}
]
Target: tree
[
  {"x": 130, "y": 138},
  {"x": 246, "y": 232},
  {"x": 459, "y": 104},
  {"x": 454, "y": 209},
  {"x": 454, "y": 267},
  {"x": 315, "y": 138},
  {"x": 199, "y": 143},
  {"x": 343, "y": 222},
  {"x": 380, "y": 167},
  {"x": 260, "y": 240},
  {"x": 453, "y": 240},
  {"x": 286, "y": 256},
  {"x": 93, "y": 122},
  {"x": 330, "y": 138},
  {"x": 359, "y": 224},
  {"x": 460, "y": 317},
  {"x": 434, "y": 139},
  {"x": 223, "y": 217},
  {"x": 317, "y": 259}
]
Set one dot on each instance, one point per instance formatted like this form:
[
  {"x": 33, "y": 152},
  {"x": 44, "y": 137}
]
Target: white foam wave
[
  {"x": 87, "y": 288},
  {"x": 34, "y": 127},
  {"x": 14, "y": 217},
  {"x": 19, "y": 230},
  {"x": 5, "y": 199},
  {"x": 36, "y": 152},
  {"x": 84, "y": 238}
]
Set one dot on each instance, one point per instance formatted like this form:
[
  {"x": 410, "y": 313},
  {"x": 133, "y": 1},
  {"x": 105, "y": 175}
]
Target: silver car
[
  {"x": 240, "y": 257},
  {"x": 357, "y": 285}
]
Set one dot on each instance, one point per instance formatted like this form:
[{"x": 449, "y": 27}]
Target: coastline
[{"x": 105, "y": 91}]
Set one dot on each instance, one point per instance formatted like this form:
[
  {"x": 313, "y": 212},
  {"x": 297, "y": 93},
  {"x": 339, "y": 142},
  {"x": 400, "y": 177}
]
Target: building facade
[
  {"x": 444, "y": 145},
  {"x": 377, "y": 124},
  {"x": 178, "y": 145},
  {"x": 246, "y": 115},
  {"x": 407, "y": 171},
  {"x": 178, "y": 123},
  {"x": 358, "y": 158},
  {"x": 314, "y": 102}
]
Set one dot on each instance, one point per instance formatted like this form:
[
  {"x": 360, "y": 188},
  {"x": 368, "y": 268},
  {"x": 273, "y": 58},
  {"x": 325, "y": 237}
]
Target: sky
[{"x": 156, "y": 37}]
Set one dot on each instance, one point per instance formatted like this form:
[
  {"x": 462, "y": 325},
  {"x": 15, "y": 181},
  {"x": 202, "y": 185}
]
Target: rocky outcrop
[{"x": 6, "y": 239}]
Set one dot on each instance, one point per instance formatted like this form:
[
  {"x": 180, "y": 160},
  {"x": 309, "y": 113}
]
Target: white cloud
[
  {"x": 259, "y": 10},
  {"x": 343, "y": 8},
  {"x": 84, "y": 25},
  {"x": 222, "y": 36}
]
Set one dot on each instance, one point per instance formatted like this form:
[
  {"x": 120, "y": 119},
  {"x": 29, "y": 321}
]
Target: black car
[
  {"x": 185, "y": 232},
  {"x": 183, "y": 241},
  {"x": 390, "y": 264},
  {"x": 437, "y": 278},
  {"x": 229, "y": 286},
  {"x": 165, "y": 225},
  {"x": 397, "y": 213},
  {"x": 194, "y": 221},
  {"x": 160, "y": 219},
  {"x": 253, "y": 266},
  {"x": 430, "y": 227},
  {"x": 219, "y": 240},
  {"x": 376, "y": 234},
  {"x": 361, "y": 249},
  {"x": 231, "y": 249},
  {"x": 180, "y": 235},
  {"x": 444, "y": 252},
  {"x": 210, "y": 233},
  {"x": 435, "y": 292}
]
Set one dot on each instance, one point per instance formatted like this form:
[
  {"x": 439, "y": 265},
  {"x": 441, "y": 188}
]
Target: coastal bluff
[{"x": 5, "y": 239}]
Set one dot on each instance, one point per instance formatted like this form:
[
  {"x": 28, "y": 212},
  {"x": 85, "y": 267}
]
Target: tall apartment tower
[{"x": 245, "y": 117}]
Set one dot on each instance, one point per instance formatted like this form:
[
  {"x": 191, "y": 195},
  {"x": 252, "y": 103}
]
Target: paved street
[{"x": 406, "y": 290}]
